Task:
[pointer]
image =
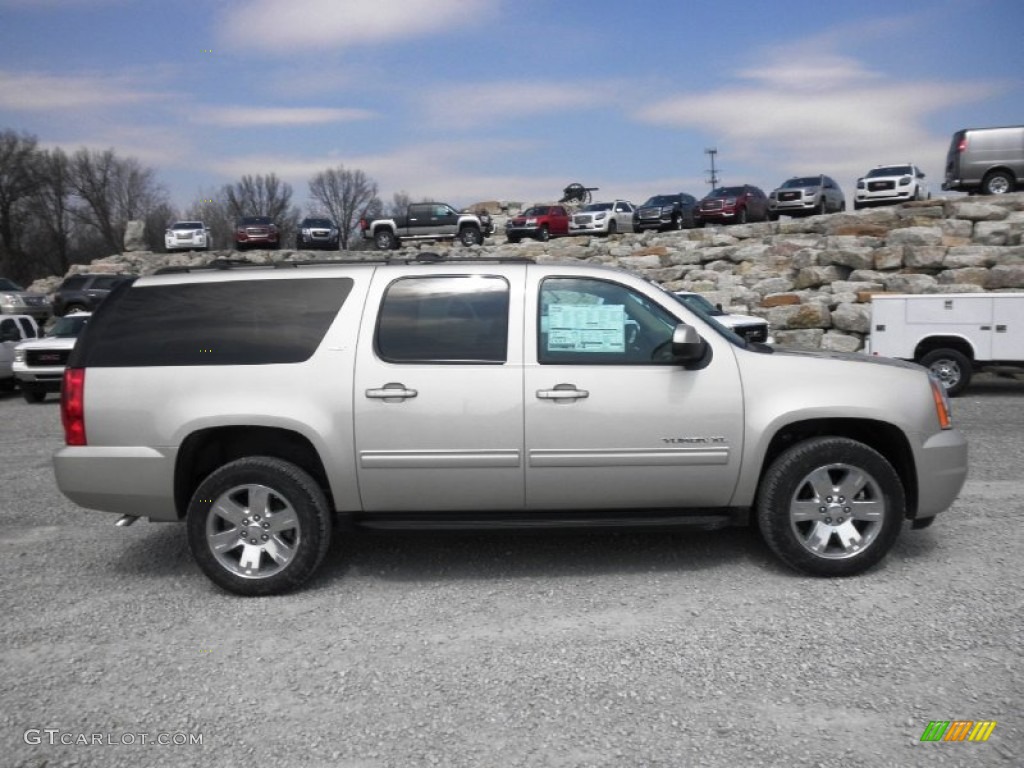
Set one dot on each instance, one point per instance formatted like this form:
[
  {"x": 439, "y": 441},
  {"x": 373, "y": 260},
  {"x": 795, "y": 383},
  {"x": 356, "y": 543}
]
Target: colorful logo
[{"x": 958, "y": 730}]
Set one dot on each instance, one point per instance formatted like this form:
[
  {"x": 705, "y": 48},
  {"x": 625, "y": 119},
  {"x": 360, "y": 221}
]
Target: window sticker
[{"x": 586, "y": 328}]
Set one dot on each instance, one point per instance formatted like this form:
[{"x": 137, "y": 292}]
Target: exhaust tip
[{"x": 125, "y": 520}]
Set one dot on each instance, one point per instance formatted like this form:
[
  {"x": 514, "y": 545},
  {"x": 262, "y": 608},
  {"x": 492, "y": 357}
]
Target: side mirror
[{"x": 687, "y": 345}]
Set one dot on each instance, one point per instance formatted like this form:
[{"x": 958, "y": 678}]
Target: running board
[{"x": 616, "y": 519}]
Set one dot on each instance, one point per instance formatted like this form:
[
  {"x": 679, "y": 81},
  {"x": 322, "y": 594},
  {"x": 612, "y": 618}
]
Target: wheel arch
[
  {"x": 205, "y": 450},
  {"x": 931, "y": 343},
  {"x": 885, "y": 438},
  {"x": 1000, "y": 169}
]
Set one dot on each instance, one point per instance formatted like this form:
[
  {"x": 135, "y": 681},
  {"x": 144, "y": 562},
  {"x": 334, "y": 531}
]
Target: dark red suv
[
  {"x": 734, "y": 205},
  {"x": 256, "y": 231},
  {"x": 539, "y": 222}
]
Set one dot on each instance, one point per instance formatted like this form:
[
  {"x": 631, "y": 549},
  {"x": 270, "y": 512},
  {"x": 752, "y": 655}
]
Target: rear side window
[
  {"x": 457, "y": 319},
  {"x": 240, "y": 322}
]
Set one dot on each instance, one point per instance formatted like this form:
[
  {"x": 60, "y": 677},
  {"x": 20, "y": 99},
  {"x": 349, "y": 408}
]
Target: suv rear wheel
[
  {"x": 831, "y": 506},
  {"x": 258, "y": 526}
]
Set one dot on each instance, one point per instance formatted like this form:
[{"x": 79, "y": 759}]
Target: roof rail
[{"x": 426, "y": 257}]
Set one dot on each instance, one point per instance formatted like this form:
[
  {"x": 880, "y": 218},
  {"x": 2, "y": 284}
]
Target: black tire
[
  {"x": 856, "y": 205},
  {"x": 470, "y": 236},
  {"x": 513, "y": 238},
  {"x": 952, "y": 368},
  {"x": 822, "y": 206},
  {"x": 543, "y": 234},
  {"x": 807, "y": 506},
  {"x": 289, "y": 521},
  {"x": 613, "y": 228},
  {"x": 385, "y": 240},
  {"x": 773, "y": 216},
  {"x": 677, "y": 222},
  {"x": 8, "y": 385},
  {"x": 742, "y": 217},
  {"x": 997, "y": 183},
  {"x": 32, "y": 395}
]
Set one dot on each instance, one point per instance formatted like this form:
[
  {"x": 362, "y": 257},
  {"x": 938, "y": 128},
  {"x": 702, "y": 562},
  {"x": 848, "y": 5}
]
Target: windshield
[
  {"x": 727, "y": 192},
  {"x": 807, "y": 181},
  {"x": 598, "y": 207},
  {"x": 699, "y": 303},
  {"x": 256, "y": 220},
  {"x": 68, "y": 327},
  {"x": 187, "y": 225},
  {"x": 318, "y": 223},
  {"x": 537, "y": 210},
  {"x": 7, "y": 285},
  {"x": 891, "y": 170},
  {"x": 662, "y": 200}
]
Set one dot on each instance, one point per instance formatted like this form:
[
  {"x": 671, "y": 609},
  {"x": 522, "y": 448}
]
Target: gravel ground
[{"x": 557, "y": 649}]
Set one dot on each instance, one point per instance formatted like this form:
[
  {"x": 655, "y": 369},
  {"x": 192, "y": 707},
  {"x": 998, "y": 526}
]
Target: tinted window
[
  {"x": 73, "y": 283},
  {"x": 588, "y": 322},
  {"x": 7, "y": 285},
  {"x": 444, "y": 319},
  {"x": 239, "y": 322},
  {"x": 106, "y": 283}
]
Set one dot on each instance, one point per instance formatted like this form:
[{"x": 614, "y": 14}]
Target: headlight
[
  {"x": 600, "y": 216},
  {"x": 305, "y": 231},
  {"x": 904, "y": 181},
  {"x": 531, "y": 222},
  {"x": 860, "y": 183},
  {"x": 19, "y": 355},
  {"x": 12, "y": 300},
  {"x": 730, "y": 201}
]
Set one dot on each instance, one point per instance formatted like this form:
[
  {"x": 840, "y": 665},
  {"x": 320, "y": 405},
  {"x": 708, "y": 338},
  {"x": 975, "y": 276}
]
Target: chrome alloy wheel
[
  {"x": 252, "y": 531},
  {"x": 837, "y": 511}
]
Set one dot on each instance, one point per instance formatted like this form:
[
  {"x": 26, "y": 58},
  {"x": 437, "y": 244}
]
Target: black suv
[
  {"x": 667, "y": 212},
  {"x": 317, "y": 233},
  {"x": 85, "y": 292}
]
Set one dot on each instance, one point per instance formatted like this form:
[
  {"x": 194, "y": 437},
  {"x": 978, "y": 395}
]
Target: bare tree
[
  {"x": 399, "y": 203},
  {"x": 263, "y": 196},
  {"x": 17, "y": 183},
  {"x": 51, "y": 207},
  {"x": 345, "y": 195},
  {"x": 111, "y": 191}
]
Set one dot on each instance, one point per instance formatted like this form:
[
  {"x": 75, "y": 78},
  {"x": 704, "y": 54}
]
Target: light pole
[{"x": 713, "y": 178}]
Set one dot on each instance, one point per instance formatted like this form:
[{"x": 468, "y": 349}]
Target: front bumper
[
  {"x": 200, "y": 243},
  {"x": 942, "y": 471},
  {"x": 49, "y": 379}
]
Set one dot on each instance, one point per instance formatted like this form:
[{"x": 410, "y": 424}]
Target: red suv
[
  {"x": 540, "y": 222},
  {"x": 255, "y": 231},
  {"x": 734, "y": 205}
]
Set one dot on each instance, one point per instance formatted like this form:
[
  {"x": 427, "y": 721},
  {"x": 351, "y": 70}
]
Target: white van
[
  {"x": 986, "y": 160},
  {"x": 953, "y": 334}
]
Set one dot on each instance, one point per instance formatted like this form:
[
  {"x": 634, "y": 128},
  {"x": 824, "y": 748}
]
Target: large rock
[
  {"x": 974, "y": 211},
  {"x": 800, "y": 316},
  {"x": 908, "y": 283},
  {"x": 1005, "y": 276},
  {"x": 135, "y": 236},
  {"x": 812, "y": 277},
  {"x": 852, "y": 317},
  {"x": 915, "y": 236}
]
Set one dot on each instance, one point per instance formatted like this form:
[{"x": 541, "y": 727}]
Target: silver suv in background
[
  {"x": 806, "y": 196},
  {"x": 482, "y": 393},
  {"x": 15, "y": 300},
  {"x": 986, "y": 160}
]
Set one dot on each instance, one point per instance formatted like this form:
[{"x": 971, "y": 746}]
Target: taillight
[
  {"x": 941, "y": 398},
  {"x": 962, "y": 146},
  {"x": 72, "y": 406}
]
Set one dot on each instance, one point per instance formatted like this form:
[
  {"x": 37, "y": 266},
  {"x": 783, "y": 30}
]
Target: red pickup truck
[{"x": 539, "y": 222}]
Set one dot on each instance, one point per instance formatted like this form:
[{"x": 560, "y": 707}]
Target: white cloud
[
  {"x": 284, "y": 26},
  {"x": 500, "y": 101},
  {"x": 829, "y": 112},
  {"x": 252, "y": 116},
  {"x": 39, "y": 92}
]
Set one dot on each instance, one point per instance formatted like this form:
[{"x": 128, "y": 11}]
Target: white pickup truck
[
  {"x": 953, "y": 334},
  {"x": 14, "y": 329}
]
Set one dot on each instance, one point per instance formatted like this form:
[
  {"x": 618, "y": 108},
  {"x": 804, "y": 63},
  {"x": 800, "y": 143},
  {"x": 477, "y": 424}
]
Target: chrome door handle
[
  {"x": 562, "y": 392},
  {"x": 392, "y": 392}
]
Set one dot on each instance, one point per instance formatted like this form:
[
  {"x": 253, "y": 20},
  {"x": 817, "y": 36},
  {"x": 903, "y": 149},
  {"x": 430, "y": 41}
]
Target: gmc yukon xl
[{"x": 481, "y": 394}]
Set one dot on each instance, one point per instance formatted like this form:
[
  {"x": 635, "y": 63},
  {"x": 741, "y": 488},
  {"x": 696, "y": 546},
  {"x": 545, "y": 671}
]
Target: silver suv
[
  {"x": 474, "y": 393},
  {"x": 806, "y": 196}
]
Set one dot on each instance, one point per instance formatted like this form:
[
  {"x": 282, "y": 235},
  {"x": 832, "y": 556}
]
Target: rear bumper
[{"x": 143, "y": 479}]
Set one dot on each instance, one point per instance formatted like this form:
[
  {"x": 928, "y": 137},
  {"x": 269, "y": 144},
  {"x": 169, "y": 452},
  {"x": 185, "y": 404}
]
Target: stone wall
[{"x": 811, "y": 278}]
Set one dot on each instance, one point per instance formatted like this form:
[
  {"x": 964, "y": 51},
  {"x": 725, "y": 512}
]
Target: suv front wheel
[
  {"x": 831, "y": 506},
  {"x": 258, "y": 526}
]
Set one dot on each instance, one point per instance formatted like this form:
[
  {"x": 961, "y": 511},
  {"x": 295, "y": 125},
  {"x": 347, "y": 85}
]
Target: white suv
[
  {"x": 891, "y": 184},
  {"x": 187, "y": 236}
]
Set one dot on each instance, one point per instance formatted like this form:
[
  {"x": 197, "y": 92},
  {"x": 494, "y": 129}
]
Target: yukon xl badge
[{"x": 693, "y": 440}]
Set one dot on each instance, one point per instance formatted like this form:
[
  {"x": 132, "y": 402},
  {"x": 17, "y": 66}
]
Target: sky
[{"x": 463, "y": 101}]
